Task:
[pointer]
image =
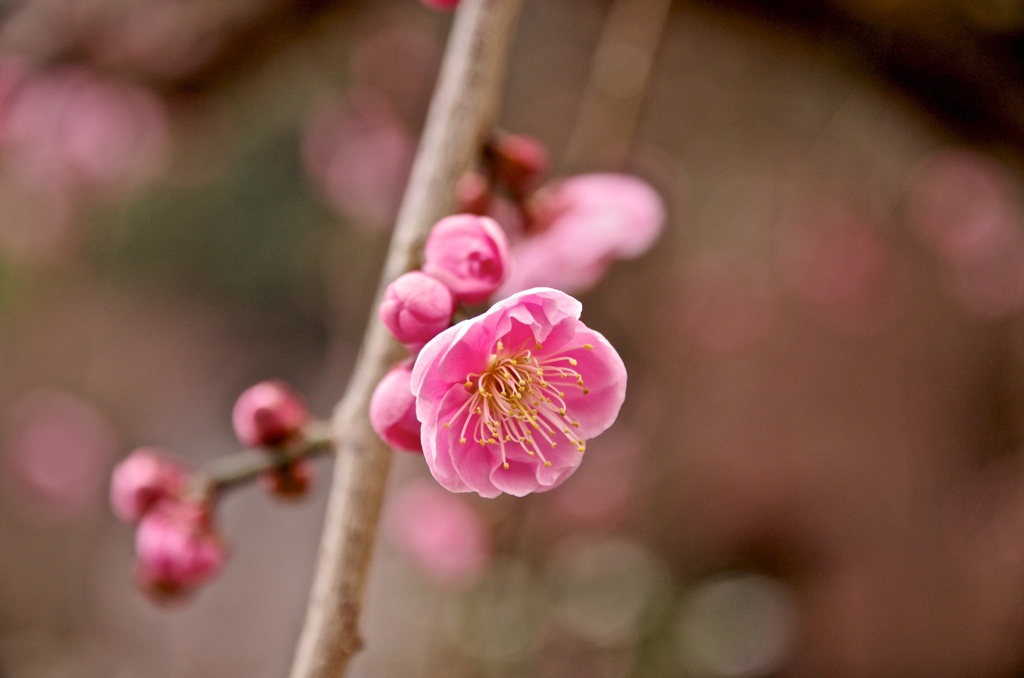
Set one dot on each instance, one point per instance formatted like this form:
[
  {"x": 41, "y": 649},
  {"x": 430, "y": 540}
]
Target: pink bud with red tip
[
  {"x": 520, "y": 162},
  {"x": 143, "y": 479},
  {"x": 268, "y": 413},
  {"x": 177, "y": 548},
  {"x": 393, "y": 410},
  {"x": 416, "y": 308},
  {"x": 469, "y": 254}
]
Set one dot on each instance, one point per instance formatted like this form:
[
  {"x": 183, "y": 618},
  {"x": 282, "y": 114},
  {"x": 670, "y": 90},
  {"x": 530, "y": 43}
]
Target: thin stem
[
  {"x": 243, "y": 467},
  {"x": 461, "y": 115}
]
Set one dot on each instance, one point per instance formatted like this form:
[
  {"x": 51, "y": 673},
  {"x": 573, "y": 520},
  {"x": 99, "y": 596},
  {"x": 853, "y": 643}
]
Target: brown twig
[
  {"x": 242, "y": 467},
  {"x": 461, "y": 115},
  {"x": 620, "y": 72}
]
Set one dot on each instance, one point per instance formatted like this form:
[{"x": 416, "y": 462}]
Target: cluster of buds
[
  {"x": 567, "y": 232},
  {"x": 177, "y": 545},
  {"x": 271, "y": 416},
  {"x": 515, "y": 164},
  {"x": 465, "y": 262}
]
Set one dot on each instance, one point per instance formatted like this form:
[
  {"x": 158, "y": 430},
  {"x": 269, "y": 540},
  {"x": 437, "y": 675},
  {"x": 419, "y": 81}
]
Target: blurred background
[{"x": 816, "y": 470}]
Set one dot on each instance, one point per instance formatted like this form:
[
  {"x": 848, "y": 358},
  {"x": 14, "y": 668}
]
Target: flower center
[{"x": 519, "y": 398}]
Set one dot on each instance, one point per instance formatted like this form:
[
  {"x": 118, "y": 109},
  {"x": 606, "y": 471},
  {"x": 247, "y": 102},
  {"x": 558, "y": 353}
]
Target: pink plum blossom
[
  {"x": 469, "y": 254},
  {"x": 177, "y": 548},
  {"x": 416, "y": 307},
  {"x": 144, "y": 478},
  {"x": 393, "y": 410},
  {"x": 268, "y": 414},
  {"x": 507, "y": 399},
  {"x": 584, "y": 223},
  {"x": 438, "y": 532}
]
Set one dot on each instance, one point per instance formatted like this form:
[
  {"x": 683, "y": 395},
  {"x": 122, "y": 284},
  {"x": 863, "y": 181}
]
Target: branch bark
[
  {"x": 620, "y": 72},
  {"x": 461, "y": 116}
]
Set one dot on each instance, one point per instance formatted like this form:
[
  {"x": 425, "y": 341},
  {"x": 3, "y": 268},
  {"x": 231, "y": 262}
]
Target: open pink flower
[
  {"x": 507, "y": 399},
  {"x": 585, "y": 222}
]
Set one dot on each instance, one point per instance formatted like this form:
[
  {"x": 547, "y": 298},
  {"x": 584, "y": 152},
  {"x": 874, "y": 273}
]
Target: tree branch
[
  {"x": 461, "y": 115},
  {"x": 620, "y": 72}
]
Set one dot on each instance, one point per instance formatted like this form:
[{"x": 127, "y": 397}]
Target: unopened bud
[
  {"x": 177, "y": 548},
  {"x": 393, "y": 410},
  {"x": 268, "y": 414},
  {"x": 469, "y": 254},
  {"x": 416, "y": 308},
  {"x": 142, "y": 479}
]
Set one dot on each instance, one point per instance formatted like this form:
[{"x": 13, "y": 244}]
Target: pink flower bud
[
  {"x": 416, "y": 308},
  {"x": 141, "y": 480},
  {"x": 268, "y": 414},
  {"x": 177, "y": 548},
  {"x": 393, "y": 410},
  {"x": 469, "y": 254},
  {"x": 520, "y": 161},
  {"x": 443, "y": 5}
]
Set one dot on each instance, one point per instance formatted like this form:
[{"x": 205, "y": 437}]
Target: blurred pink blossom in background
[
  {"x": 964, "y": 207},
  {"x": 583, "y": 224},
  {"x": 844, "y": 267},
  {"x": 84, "y": 131},
  {"x": 56, "y": 455},
  {"x": 359, "y": 153},
  {"x": 439, "y": 533}
]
